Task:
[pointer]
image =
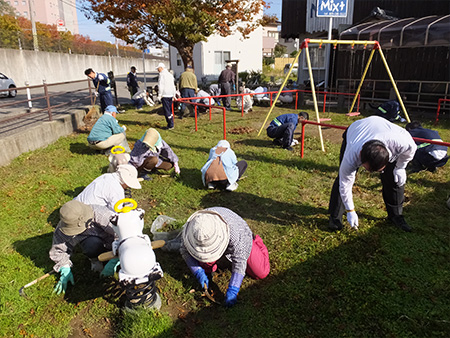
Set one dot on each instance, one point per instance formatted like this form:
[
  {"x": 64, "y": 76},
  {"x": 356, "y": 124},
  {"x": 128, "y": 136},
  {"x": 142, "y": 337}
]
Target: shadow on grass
[
  {"x": 191, "y": 177},
  {"x": 75, "y": 192},
  {"x": 82, "y": 148},
  {"x": 371, "y": 285}
]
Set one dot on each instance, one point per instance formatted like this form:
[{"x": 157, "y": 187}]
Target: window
[
  {"x": 317, "y": 56},
  {"x": 16, "y": 3},
  {"x": 179, "y": 61},
  {"x": 25, "y": 14},
  {"x": 24, "y": 3},
  {"x": 272, "y": 34},
  {"x": 219, "y": 60}
]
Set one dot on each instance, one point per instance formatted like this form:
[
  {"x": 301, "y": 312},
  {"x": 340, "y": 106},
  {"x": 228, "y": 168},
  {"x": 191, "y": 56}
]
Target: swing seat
[{"x": 356, "y": 113}]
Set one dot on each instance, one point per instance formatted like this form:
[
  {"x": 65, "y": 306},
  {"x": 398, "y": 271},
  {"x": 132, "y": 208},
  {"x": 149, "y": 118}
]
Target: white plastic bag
[{"x": 160, "y": 222}]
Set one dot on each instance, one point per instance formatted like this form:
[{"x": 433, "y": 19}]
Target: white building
[{"x": 210, "y": 56}]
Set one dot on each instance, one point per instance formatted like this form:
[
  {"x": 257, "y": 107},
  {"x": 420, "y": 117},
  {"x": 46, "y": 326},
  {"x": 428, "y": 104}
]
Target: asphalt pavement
[{"x": 11, "y": 109}]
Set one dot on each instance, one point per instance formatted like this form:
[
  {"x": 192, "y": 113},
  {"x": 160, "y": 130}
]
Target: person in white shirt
[
  {"x": 379, "y": 146},
  {"x": 108, "y": 189},
  {"x": 166, "y": 92}
]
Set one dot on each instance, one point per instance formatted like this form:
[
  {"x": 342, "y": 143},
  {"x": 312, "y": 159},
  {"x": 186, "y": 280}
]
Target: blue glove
[
  {"x": 110, "y": 268},
  {"x": 202, "y": 278},
  {"x": 231, "y": 296},
  {"x": 234, "y": 87},
  {"x": 66, "y": 276}
]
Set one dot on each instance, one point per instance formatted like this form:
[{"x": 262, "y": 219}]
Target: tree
[
  {"x": 179, "y": 23},
  {"x": 279, "y": 51}
]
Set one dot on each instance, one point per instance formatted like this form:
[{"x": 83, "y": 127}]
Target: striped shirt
[
  {"x": 99, "y": 226},
  {"x": 240, "y": 244}
]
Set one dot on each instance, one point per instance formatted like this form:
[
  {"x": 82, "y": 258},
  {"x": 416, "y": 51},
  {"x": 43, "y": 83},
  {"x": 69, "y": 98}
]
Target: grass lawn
[{"x": 379, "y": 282}]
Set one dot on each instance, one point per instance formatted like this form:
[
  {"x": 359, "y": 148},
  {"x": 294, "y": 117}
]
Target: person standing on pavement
[
  {"x": 166, "y": 92},
  {"x": 102, "y": 85},
  {"x": 379, "y": 146},
  {"x": 86, "y": 225},
  {"x": 188, "y": 85},
  {"x": 132, "y": 81},
  {"x": 226, "y": 82}
]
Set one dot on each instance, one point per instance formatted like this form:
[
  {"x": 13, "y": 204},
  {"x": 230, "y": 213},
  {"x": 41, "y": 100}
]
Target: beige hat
[
  {"x": 129, "y": 175},
  {"x": 206, "y": 236},
  {"x": 152, "y": 139},
  {"x": 73, "y": 216}
]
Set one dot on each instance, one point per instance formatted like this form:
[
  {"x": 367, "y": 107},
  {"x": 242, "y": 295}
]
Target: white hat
[
  {"x": 224, "y": 144},
  {"x": 129, "y": 175},
  {"x": 161, "y": 65},
  {"x": 206, "y": 236}
]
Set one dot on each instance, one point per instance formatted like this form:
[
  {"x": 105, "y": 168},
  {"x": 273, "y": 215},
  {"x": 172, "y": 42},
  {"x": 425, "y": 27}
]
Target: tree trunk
[{"x": 187, "y": 55}]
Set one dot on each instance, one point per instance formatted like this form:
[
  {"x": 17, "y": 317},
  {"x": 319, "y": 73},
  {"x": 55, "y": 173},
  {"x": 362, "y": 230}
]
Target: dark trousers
[
  {"x": 138, "y": 103},
  {"x": 222, "y": 184},
  {"x": 225, "y": 89},
  {"x": 92, "y": 246},
  {"x": 167, "y": 108},
  {"x": 106, "y": 100},
  {"x": 393, "y": 195},
  {"x": 285, "y": 133},
  {"x": 186, "y": 92}
]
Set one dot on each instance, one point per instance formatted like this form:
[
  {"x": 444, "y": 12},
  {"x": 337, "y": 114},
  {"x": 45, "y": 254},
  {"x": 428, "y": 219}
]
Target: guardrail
[{"x": 47, "y": 96}]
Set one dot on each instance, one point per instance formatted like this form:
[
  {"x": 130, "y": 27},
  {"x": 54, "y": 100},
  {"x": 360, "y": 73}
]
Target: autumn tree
[{"x": 179, "y": 23}]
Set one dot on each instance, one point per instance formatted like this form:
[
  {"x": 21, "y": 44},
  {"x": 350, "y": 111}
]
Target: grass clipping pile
[
  {"x": 241, "y": 130},
  {"x": 92, "y": 115}
]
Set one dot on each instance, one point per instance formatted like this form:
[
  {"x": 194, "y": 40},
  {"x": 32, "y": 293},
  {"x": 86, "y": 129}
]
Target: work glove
[
  {"x": 176, "y": 167},
  {"x": 65, "y": 277},
  {"x": 124, "y": 127},
  {"x": 400, "y": 176},
  {"x": 202, "y": 278},
  {"x": 231, "y": 296},
  {"x": 110, "y": 268},
  {"x": 352, "y": 218},
  {"x": 96, "y": 94}
]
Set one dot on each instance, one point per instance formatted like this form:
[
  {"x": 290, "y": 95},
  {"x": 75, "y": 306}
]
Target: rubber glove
[
  {"x": 124, "y": 127},
  {"x": 234, "y": 87},
  {"x": 110, "y": 268},
  {"x": 352, "y": 218},
  {"x": 231, "y": 296},
  {"x": 176, "y": 167},
  {"x": 65, "y": 277},
  {"x": 202, "y": 278},
  {"x": 400, "y": 176}
]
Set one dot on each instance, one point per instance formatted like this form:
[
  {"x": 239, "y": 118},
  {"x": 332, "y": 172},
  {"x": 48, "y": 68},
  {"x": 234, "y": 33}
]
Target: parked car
[
  {"x": 287, "y": 66},
  {"x": 7, "y": 83}
]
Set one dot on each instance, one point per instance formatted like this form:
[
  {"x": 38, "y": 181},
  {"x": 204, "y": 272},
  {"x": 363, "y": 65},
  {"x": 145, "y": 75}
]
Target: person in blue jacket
[
  {"x": 222, "y": 170},
  {"x": 106, "y": 132},
  {"x": 428, "y": 156},
  {"x": 103, "y": 87},
  {"x": 282, "y": 128}
]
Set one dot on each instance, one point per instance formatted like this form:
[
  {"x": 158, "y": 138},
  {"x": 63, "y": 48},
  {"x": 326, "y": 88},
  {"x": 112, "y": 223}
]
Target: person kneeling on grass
[
  {"x": 106, "y": 132},
  {"x": 151, "y": 153},
  {"x": 86, "y": 225},
  {"x": 222, "y": 170},
  {"x": 282, "y": 128},
  {"x": 218, "y": 236}
]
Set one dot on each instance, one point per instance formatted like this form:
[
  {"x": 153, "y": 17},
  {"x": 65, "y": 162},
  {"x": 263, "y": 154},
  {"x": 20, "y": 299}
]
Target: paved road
[{"x": 63, "y": 94}]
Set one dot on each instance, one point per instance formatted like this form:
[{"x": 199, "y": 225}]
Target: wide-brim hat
[
  {"x": 129, "y": 175},
  {"x": 73, "y": 217},
  {"x": 206, "y": 236},
  {"x": 152, "y": 139},
  {"x": 161, "y": 65}
]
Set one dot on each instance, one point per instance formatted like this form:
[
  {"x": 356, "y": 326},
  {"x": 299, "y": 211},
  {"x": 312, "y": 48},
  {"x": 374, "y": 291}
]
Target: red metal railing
[
  {"x": 439, "y": 108},
  {"x": 305, "y": 122},
  {"x": 47, "y": 97}
]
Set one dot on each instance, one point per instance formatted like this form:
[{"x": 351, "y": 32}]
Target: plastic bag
[{"x": 160, "y": 222}]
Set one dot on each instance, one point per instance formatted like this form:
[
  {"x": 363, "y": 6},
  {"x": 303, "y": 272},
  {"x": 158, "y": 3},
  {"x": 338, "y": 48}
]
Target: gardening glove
[
  {"x": 352, "y": 218},
  {"x": 176, "y": 167},
  {"x": 65, "y": 277},
  {"x": 96, "y": 94},
  {"x": 234, "y": 87},
  {"x": 124, "y": 127},
  {"x": 202, "y": 278},
  {"x": 231, "y": 296},
  {"x": 110, "y": 268},
  {"x": 400, "y": 176}
]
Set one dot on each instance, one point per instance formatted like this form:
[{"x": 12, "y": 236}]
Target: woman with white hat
[
  {"x": 222, "y": 170},
  {"x": 152, "y": 152},
  {"x": 215, "y": 233}
]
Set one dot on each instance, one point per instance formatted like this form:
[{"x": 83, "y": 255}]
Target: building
[
  {"x": 272, "y": 37},
  {"x": 51, "y": 12}
]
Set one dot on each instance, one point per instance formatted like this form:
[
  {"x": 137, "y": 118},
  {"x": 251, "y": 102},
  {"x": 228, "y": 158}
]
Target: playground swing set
[{"x": 305, "y": 46}]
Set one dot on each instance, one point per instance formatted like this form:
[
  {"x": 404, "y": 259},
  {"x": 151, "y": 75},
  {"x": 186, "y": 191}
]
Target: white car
[{"x": 7, "y": 83}]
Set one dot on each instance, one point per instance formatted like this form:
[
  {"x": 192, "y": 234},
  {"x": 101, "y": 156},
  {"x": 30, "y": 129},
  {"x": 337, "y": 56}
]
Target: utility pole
[{"x": 33, "y": 26}]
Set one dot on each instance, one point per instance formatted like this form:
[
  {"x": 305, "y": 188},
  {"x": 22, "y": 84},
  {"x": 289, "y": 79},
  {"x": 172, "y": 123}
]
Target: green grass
[{"x": 375, "y": 283}]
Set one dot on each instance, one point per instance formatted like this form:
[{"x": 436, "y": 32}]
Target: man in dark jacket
[
  {"x": 132, "y": 81},
  {"x": 282, "y": 128},
  {"x": 226, "y": 80},
  {"x": 103, "y": 87},
  {"x": 428, "y": 156}
]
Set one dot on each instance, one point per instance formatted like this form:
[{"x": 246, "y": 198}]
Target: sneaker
[
  {"x": 294, "y": 142},
  {"x": 168, "y": 128},
  {"x": 289, "y": 148},
  {"x": 232, "y": 187},
  {"x": 211, "y": 186},
  {"x": 334, "y": 224},
  {"x": 399, "y": 222}
]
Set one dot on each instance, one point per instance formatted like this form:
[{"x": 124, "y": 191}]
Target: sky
[{"x": 101, "y": 32}]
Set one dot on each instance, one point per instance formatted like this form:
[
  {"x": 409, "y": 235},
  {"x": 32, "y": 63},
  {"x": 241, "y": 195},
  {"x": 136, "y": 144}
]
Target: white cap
[
  {"x": 129, "y": 175},
  {"x": 161, "y": 65}
]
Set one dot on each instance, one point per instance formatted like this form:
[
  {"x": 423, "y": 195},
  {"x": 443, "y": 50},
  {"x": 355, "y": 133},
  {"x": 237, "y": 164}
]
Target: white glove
[
  {"x": 176, "y": 167},
  {"x": 400, "y": 176},
  {"x": 124, "y": 127},
  {"x": 96, "y": 94},
  {"x": 352, "y": 218}
]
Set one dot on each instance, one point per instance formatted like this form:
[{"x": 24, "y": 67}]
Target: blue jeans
[{"x": 186, "y": 92}]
